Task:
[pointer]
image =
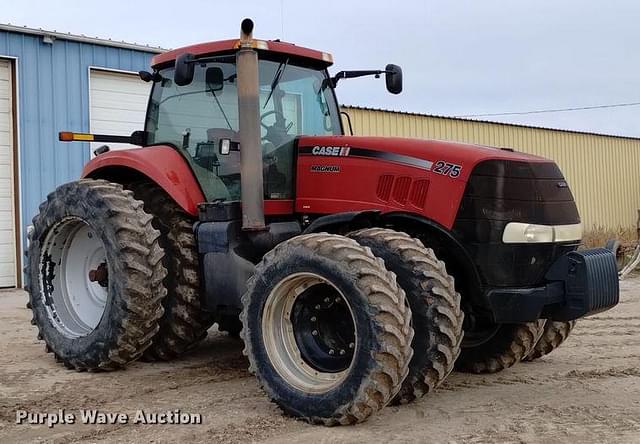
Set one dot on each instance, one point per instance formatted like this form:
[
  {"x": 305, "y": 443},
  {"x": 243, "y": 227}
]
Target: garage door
[
  {"x": 7, "y": 211},
  {"x": 118, "y": 104}
]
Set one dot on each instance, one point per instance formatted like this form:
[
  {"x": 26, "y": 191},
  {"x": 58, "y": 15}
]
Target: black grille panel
[{"x": 499, "y": 192}]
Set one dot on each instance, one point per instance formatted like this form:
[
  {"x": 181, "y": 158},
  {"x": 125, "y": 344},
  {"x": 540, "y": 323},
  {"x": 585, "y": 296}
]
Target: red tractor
[{"x": 248, "y": 207}]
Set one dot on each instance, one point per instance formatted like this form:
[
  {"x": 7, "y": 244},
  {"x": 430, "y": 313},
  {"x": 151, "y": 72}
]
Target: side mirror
[
  {"x": 393, "y": 79},
  {"x": 145, "y": 76},
  {"x": 215, "y": 79},
  {"x": 183, "y": 74},
  {"x": 139, "y": 138}
]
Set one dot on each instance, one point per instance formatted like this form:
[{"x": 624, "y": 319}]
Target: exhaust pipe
[{"x": 251, "y": 181}]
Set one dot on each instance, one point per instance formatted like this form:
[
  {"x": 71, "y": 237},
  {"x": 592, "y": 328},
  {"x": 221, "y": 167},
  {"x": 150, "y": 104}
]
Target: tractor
[{"x": 358, "y": 271}]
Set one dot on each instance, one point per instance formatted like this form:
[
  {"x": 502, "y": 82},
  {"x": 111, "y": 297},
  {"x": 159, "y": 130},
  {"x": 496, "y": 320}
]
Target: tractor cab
[{"x": 200, "y": 118}]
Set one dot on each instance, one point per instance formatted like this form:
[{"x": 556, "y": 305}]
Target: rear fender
[{"x": 161, "y": 164}]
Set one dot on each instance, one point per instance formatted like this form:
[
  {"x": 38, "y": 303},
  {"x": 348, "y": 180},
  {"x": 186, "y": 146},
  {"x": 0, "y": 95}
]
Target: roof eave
[{"x": 81, "y": 38}]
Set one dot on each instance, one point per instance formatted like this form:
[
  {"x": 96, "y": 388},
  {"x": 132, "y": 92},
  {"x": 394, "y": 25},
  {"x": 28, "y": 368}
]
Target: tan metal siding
[{"x": 603, "y": 171}]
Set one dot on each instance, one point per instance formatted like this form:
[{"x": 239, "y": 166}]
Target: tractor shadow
[{"x": 218, "y": 354}]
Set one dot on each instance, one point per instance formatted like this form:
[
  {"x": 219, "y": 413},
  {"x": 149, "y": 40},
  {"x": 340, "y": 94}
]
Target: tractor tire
[
  {"x": 507, "y": 346},
  {"x": 554, "y": 334},
  {"x": 184, "y": 323},
  {"x": 327, "y": 329},
  {"x": 434, "y": 303},
  {"x": 94, "y": 272},
  {"x": 614, "y": 246}
]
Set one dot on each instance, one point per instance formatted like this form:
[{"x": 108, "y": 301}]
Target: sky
[{"x": 459, "y": 58}]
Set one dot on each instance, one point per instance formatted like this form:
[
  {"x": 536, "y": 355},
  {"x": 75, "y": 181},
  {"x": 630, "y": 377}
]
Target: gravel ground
[{"x": 588, "y": 391}]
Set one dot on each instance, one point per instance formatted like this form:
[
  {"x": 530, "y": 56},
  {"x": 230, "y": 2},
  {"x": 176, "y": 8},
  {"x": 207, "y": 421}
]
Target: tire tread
[
  {"x": 392, "y": 316},
  {"x": 137, "y": 317},
  {"x": 432, "y": 293}
]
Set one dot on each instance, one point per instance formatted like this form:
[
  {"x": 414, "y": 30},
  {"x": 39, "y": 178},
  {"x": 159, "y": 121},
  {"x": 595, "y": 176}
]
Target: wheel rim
[
  {"x": 74, "y": 277},
  {"x": 309, "y": 332}
]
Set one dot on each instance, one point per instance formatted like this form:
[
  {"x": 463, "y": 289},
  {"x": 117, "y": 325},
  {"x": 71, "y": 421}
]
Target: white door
[
  {"x": 7, "y": 210},
  {"x": 118, "y": 104}
]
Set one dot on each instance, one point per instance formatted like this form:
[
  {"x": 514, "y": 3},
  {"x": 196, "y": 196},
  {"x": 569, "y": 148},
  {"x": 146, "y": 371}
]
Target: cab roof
[{"x": 226, "y": 46}]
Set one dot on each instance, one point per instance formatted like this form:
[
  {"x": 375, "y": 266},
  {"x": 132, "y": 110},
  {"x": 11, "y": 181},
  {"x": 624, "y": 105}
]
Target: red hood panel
[
  {"x": 465, "y": 154},
  {"x": 425, "y": 177}
]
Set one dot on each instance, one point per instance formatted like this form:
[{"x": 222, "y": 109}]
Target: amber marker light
[{"x": 66, "y": 136}]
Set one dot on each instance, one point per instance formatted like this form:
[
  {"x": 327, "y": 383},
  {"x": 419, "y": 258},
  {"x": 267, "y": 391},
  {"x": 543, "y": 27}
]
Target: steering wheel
[
  {"x": 276, "y": 134},
  {"x": 267, "y": 114}
]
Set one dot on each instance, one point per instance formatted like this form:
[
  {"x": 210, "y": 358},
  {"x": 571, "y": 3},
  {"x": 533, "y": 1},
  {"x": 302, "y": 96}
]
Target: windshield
[{"x": 194, "y": 118}]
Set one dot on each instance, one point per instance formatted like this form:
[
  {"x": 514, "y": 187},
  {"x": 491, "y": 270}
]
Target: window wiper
[
  {"x": 276, "y": 78},
  {"x": 222, "y": 110}
]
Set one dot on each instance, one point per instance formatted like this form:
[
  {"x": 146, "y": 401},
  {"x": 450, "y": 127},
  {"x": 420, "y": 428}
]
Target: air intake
[
  {"x": 401, "y": 189},
  {"x": 385, "y": 183},
  {"x": 418, "y": 194}
]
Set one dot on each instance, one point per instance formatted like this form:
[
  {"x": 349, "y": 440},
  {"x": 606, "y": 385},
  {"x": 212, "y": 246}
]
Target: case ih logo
[{"x": 337, "y": 151}]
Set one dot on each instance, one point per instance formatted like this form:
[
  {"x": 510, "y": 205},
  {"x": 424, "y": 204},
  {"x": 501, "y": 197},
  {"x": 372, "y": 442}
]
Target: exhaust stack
[{"x": 251, "y": 180}]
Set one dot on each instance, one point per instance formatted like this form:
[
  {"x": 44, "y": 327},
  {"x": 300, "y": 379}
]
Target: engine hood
[{"x": 430, "y": 151}]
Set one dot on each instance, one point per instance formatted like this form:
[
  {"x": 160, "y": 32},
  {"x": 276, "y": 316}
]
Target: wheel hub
[
  {"x": 100, "y": 275},
  {"x": 323, "y": 329},
  {"x": 74, "y": 277},
  {"x": 309, "y": 332}
]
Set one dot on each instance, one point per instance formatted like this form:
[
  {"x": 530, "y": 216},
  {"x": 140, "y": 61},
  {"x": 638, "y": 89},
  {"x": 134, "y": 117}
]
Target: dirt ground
[{"x": 587, "y": 391}]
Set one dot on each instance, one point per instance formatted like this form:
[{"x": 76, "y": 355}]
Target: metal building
[
  {"x": 602, "y": 170},
  {"x": 51, "y": 81}
]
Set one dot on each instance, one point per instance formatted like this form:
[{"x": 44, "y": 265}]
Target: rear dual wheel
[
  {"x": 489, "y": 347},
  {"x": 95, "y": 275},
  {"x": 553, "y": 335},
  {"x": 327, "y": 329}
]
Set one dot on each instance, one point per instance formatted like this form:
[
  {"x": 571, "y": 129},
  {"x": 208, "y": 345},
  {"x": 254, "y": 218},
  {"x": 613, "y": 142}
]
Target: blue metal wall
[{"x": 53, "y": 95}]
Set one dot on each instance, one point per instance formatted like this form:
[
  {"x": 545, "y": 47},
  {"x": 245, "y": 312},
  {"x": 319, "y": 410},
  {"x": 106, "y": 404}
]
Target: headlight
[{"x": 518, "y": 232}]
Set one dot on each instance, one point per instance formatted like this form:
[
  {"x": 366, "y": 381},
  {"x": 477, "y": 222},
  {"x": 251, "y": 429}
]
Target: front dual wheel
[{"x": 327, "y": 329}]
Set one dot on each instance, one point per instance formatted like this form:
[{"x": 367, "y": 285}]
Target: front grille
[{"x": 499, "y": 192}]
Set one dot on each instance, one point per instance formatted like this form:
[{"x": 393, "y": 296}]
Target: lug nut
[
  {"x": 342, "y": 352},
  {"x": 318, "y": 307},
  {"x": 314, "y": 332},
  {"x": 313, "y": 319},
  {"x": 338, "y": 300},
  {"x": 327, "y": 300},
  {"x": 351, "y": 345},
  {"x": 332, "y": 352}
]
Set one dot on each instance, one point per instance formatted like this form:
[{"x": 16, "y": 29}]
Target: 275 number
[{"x": 447, "y": 169}]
